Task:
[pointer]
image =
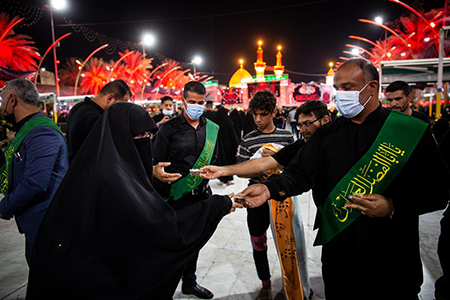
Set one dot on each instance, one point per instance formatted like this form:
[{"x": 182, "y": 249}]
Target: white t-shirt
[{"x": 292, "y": 115}]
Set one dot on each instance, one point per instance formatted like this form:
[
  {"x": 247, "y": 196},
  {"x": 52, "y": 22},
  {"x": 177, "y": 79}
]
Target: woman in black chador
[{"x": 107, "y": 234}]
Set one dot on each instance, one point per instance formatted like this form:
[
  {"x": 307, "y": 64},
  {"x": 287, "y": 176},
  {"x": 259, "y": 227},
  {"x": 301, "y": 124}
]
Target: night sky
[{"x": 312, "y": 33}]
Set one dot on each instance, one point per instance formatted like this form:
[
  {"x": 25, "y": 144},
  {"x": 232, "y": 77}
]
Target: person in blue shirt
[{"x": 33, "y": 164}]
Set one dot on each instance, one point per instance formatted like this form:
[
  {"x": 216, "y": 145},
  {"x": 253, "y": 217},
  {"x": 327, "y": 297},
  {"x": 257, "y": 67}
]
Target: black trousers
[
  {"x": 189, "y": 278},
  {"x": 258, "y": 221}
]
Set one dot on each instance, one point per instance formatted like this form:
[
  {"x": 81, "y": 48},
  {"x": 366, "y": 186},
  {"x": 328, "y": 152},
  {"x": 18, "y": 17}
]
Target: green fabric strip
[
  {"x": 190, "y": 182},
  {"x": 377, "y": 168},
  {"x": 12, "y": 147}
]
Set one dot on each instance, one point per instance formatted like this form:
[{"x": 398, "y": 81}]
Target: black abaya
[
  {"x": 107, "y": 234},
  {"x": 227, "y": 141}
]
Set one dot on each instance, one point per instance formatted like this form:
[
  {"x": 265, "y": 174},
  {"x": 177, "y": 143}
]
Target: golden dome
[{"x": 240, "y": 75}]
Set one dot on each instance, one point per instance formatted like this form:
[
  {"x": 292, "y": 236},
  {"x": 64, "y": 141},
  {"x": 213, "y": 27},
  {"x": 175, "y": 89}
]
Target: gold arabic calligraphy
[{"x": 385, "y": 156}]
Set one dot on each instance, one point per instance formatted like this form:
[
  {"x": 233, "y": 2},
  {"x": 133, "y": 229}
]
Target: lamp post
[
  {"x": 147, "y": 40},
  {"x": 58, "y": 5},
  {"x": 379, "y": 21},
  {"x": 196, "y": 61}
]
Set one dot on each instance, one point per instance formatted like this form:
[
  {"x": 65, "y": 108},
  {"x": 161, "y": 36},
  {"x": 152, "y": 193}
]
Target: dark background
[{"x": 312, "y": 33}]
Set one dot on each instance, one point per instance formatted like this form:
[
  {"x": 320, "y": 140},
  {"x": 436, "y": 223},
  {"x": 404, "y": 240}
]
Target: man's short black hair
[
  {"x": 316, "y": 108},
  {"x": 118, "y": 88},
  {"x": 398, "y": 85},
  {"x": 264, "y": 101},
  {"x": 194, "y": 87},
  {"x": 166, "y": 98},
  {"x": 369, "y": 70}
]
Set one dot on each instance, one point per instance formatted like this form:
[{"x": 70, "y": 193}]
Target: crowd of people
[{"x": 120, "y": 206}]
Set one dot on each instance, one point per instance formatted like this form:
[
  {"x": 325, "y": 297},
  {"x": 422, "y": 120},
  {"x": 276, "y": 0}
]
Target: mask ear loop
[
  {"x": 364, "y": 105},
  {"x": 367, "y": 101}
]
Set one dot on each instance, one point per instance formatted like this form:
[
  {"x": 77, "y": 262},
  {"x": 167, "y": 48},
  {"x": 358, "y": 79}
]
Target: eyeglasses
[{"x": 307, "y": 124}]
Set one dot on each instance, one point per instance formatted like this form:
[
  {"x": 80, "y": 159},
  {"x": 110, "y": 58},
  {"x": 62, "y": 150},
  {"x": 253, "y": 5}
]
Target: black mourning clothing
[
  {"x": 80, "y": 121},
  {"x": 180, "y": 144},
  {"x": 377, "y": 258},
  {"x": 285, "y": 154},
  {"x": 107, "y": 234}
]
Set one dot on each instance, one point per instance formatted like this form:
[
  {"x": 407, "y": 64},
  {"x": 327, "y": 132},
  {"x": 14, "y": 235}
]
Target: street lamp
[
  {"x": 379, "y": 20},
  {"x": 196, "y": 61},
  {"x": 355, "y": 52},
  {"x": 58, "y": 5},
  {"x": 147, "y": 40}
]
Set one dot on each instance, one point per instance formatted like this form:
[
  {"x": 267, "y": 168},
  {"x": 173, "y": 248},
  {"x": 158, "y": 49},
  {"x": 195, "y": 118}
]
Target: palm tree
[
  {"x": 95, "y": 76},
  {"x": 16, "y": 50},
  {"x": 420, "y": 37},
  {"x": 136, "y": 71},
  {"x": 68, "y": 72},
  {"x": 169, "y": 76}
]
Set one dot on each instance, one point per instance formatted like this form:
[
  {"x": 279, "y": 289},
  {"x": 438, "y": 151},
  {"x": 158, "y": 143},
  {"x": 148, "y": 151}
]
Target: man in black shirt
[
  {"x": 377, "y": 255},
  {"x": 311, "y": 116},
  {"x": 399, "y": 95},
  {"x": 84, "y": 115},
  {"x": 183, "y": 141}
]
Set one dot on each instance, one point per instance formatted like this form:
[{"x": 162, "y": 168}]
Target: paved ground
[{"x": 225, "y": 264}]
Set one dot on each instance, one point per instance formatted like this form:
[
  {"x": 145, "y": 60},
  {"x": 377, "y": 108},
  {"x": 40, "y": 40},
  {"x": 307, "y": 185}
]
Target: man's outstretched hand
[
  {"x": 158, "y": 172},
  {"x": 211, "y": 172},
  {"x": 255, "y": 195}
]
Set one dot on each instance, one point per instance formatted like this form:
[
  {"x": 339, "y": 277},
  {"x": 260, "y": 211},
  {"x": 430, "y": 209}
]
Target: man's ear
[
  {"x": 274, "y": 113},
  {"x": 325, "y": 119},
  {"x": 110, "y": 99},
  {"x": 409, "y": 97},
  {"x": 374, "y": 85}
]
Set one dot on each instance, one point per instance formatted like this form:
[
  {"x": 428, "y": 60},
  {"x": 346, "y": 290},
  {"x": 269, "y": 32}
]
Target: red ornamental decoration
[
  {"x": 231, "y": 96},
  {"x": 307, "y": 92},
  {"x": 274, "y": 87}
]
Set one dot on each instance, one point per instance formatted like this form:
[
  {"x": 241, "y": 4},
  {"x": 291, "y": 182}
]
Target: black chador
[{"x": 107, "y": 234}]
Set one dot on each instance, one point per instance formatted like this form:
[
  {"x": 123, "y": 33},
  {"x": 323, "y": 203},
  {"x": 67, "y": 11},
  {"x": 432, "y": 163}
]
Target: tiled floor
[{"x": 225, "y": 264}]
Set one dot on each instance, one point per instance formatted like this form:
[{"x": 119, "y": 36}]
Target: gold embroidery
[{"x": 369, "y": 175}]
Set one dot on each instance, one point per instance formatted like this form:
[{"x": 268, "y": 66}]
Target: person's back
[
  {"x": 80, "y": 121},
  {"x": 83, "y": 116}
]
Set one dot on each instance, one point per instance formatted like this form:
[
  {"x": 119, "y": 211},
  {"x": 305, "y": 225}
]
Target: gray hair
[{"x": 25, "y": 90}]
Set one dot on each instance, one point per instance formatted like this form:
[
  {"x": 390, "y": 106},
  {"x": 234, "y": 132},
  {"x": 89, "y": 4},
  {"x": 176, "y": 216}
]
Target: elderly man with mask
[
  {"x": 358, "y": 167},
  {"x": 33, "y": 163}
]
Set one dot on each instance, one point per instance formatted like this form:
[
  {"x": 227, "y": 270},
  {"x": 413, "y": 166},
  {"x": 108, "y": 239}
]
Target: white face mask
[
  {"x": 347, "y": 102},
  {"x": 167, "y": 112}
]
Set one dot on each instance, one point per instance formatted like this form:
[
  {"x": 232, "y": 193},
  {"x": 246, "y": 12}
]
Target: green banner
[
  {"x": 390, "y": 151},
  {"x": 14, "y": 145},
  {"x": 190, "y": 182}
]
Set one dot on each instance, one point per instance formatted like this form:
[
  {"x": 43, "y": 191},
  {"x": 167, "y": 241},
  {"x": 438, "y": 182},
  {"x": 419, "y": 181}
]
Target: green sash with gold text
[
  {"x": 190, "y": 182},
  {"x": 14, "y": 145},
  {"x": 377, "y": 168}
]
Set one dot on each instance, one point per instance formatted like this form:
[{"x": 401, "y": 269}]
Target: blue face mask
[
  {"x": 194, "y": 111},
  {"x": 347, "y": 103}
]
